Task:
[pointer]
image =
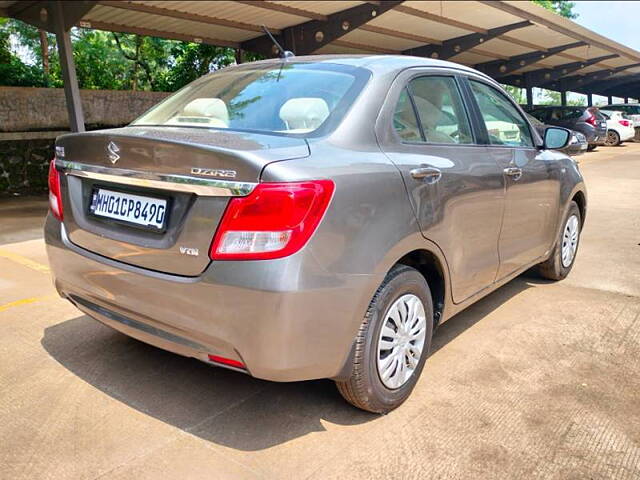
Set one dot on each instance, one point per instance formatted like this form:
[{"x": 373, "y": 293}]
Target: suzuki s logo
[{"x": 113, "y": 150}]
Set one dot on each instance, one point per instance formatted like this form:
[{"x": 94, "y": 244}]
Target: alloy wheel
[{"x": 613, "y": 138}]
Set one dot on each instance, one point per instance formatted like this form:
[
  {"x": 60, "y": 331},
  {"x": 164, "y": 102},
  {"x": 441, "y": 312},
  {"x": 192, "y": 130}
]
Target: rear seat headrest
[
  {"x": 207, "y": 107},
  {"x": 304, "y": 113}
]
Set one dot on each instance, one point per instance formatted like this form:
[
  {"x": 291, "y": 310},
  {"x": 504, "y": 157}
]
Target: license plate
[{"x": 127, "y": 207}]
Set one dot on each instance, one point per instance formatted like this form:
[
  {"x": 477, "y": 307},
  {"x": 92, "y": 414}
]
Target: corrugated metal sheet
[
  {"x": 234, "y": 11},
  {"x": 231, "y": 23},
  {"x": 167, "y": 24},
  {"x": 325, "y": 8}
]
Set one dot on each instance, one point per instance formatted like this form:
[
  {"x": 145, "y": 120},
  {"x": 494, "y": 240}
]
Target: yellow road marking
[
  {"x": 24, "y": 261},
  {"x": 24, "y": 301}
]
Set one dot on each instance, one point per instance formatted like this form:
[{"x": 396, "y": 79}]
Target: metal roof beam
[
  {"x": 627, "y": 90},
  {"x": 454, "y": 46},
  {"x": 40, "y": 14},
  {"x": 194, "y": 17},
  {"x": 395, "y": 33},
  {"x": 518, "y": 12},
  {"x": 308, "y": 37},
  {"x": 543, "y": 76},
  {"x": 610, "y": 84},
  {"x": 278, "y": 7},
  {"x": 499, "y": 68},
  {"x": 414, "y": 12},
  {"x": 149, "y": 32},
  {"x": 578, "y": 81},
  {"x": 631, "y": 91}
]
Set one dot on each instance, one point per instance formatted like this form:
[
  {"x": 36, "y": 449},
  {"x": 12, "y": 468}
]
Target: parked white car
[
  {"x": 619, "y": 127},
  {"x": 632, "y": 111}
]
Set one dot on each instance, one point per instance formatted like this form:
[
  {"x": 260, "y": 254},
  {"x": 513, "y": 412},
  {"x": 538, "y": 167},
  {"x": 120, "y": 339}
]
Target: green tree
[
  {"x": 13, "y": 71},
  {"x": 112, "y": 61},
  {"x": 518, "y": 94},
  {"x": 192, "y": 60},
  {"x": 561, "y": 7}
]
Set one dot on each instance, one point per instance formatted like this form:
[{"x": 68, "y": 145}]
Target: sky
[{"x": 615, "y": 20}]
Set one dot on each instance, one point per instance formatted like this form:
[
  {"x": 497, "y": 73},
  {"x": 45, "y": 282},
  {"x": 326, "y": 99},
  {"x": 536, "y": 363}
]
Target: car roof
[
  {"x": 375, "y": 63},
  {"x": 559, "y": 107}
]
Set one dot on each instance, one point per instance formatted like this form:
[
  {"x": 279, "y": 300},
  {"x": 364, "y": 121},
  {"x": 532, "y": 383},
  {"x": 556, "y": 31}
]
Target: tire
[
  {"x": 556, "y": 267},
  {"x": 591, "y": 147},
  {"x": 365, "y": 388},
  {"x": 613, "y": 139}
]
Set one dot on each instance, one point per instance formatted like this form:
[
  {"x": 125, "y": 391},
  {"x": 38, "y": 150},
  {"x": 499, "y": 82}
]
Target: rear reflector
[
  {"x": 273, "y": 221},
  {"x": 55, "y": 194},
  {"x": 227, "y": 361}
]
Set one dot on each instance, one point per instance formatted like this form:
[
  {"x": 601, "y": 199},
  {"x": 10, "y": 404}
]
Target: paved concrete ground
[{"x": 538, "y": 380}]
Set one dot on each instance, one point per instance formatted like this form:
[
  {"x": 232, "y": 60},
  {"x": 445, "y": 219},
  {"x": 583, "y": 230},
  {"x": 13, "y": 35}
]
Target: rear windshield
[{"x": 287, "y": 98}]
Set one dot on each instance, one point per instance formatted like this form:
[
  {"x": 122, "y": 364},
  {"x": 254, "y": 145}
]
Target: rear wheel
[
  {"x": 613, "y": 138},
  {"x": 392, "y": 343},
  {"x": 564, "y": 253}
]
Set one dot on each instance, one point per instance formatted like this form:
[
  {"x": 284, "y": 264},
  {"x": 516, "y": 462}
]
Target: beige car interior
[
  {"x": 430, "y": 116},
  {"x": 300, "y": 115},
  {"x": 211, "y": 112}
]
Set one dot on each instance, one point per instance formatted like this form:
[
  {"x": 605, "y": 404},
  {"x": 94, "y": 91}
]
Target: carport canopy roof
[{"x": 517, "y": 43}]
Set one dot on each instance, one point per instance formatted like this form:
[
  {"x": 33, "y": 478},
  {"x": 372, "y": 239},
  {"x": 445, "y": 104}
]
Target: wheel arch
[
  {"x": 433, "y": 271},
  {"x": 581, "y": 200}
]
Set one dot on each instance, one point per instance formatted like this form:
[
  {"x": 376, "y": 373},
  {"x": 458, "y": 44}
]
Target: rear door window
[
  {"x": 505, "y": 125},
  {"x": 441, "y": 113},
  {"x": 540, "y": 114},
  {"x": 405, "y": 122},
  {"x": 570, "y": 114}
]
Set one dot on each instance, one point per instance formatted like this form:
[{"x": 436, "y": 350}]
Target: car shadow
[{"x": 218, "y": 405}]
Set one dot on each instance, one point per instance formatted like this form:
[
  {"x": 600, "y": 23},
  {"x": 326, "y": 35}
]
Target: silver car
[{"x": 314, "y": 217}]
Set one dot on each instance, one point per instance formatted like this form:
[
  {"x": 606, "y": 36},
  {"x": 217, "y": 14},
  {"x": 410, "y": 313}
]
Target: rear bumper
[
  {"x": 627, "y": 134},
  {"x": 593, "y": 135},
  {"x": 285, "y": 319}
]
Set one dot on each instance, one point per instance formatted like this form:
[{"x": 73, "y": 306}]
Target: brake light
[
  {"x": 624, "y": 123},
  {"x": 227, "y": 361},
  {"x": 273, "y": 221},
  {"x": 591, "y": 120},
  {"x": 55, "y": 194}
]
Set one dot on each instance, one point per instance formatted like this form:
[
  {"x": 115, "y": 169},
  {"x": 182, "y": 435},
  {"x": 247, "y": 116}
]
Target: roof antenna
[{"x": 284, "y": 54}]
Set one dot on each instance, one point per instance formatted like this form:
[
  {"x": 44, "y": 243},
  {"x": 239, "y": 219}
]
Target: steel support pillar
[
  {"x": 609, "y": 99},
  {"x": 590, "y": 99},
  {"x": 626, "y": 100},
  {"x": 240, "y": 55},
  {"x": 563, "y": 98},
  {"x": 68, "y": 67},
  {"x": 529, "y": 91}
]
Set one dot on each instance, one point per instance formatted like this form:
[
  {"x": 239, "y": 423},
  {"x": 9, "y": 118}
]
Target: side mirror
[{"x": 556, "y": 138}]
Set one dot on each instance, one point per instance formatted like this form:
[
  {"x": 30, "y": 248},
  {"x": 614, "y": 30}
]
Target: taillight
[
  {"x": 591, "y": 120},
  {"x": 273, "y": 221},
  {"x": 624, "y": 123},
  {"x": 227, "y": 361},
  {"x": 55, "y": 194}
]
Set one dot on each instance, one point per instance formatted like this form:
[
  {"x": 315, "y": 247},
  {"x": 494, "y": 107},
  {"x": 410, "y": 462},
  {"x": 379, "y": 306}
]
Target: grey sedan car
[{"x": 314, "y": 217}]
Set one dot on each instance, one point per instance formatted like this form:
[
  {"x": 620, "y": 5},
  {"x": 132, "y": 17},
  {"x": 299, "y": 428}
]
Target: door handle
[
  {"x": 428, "y": 174},
  {"x": 514, "y": 172}
]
